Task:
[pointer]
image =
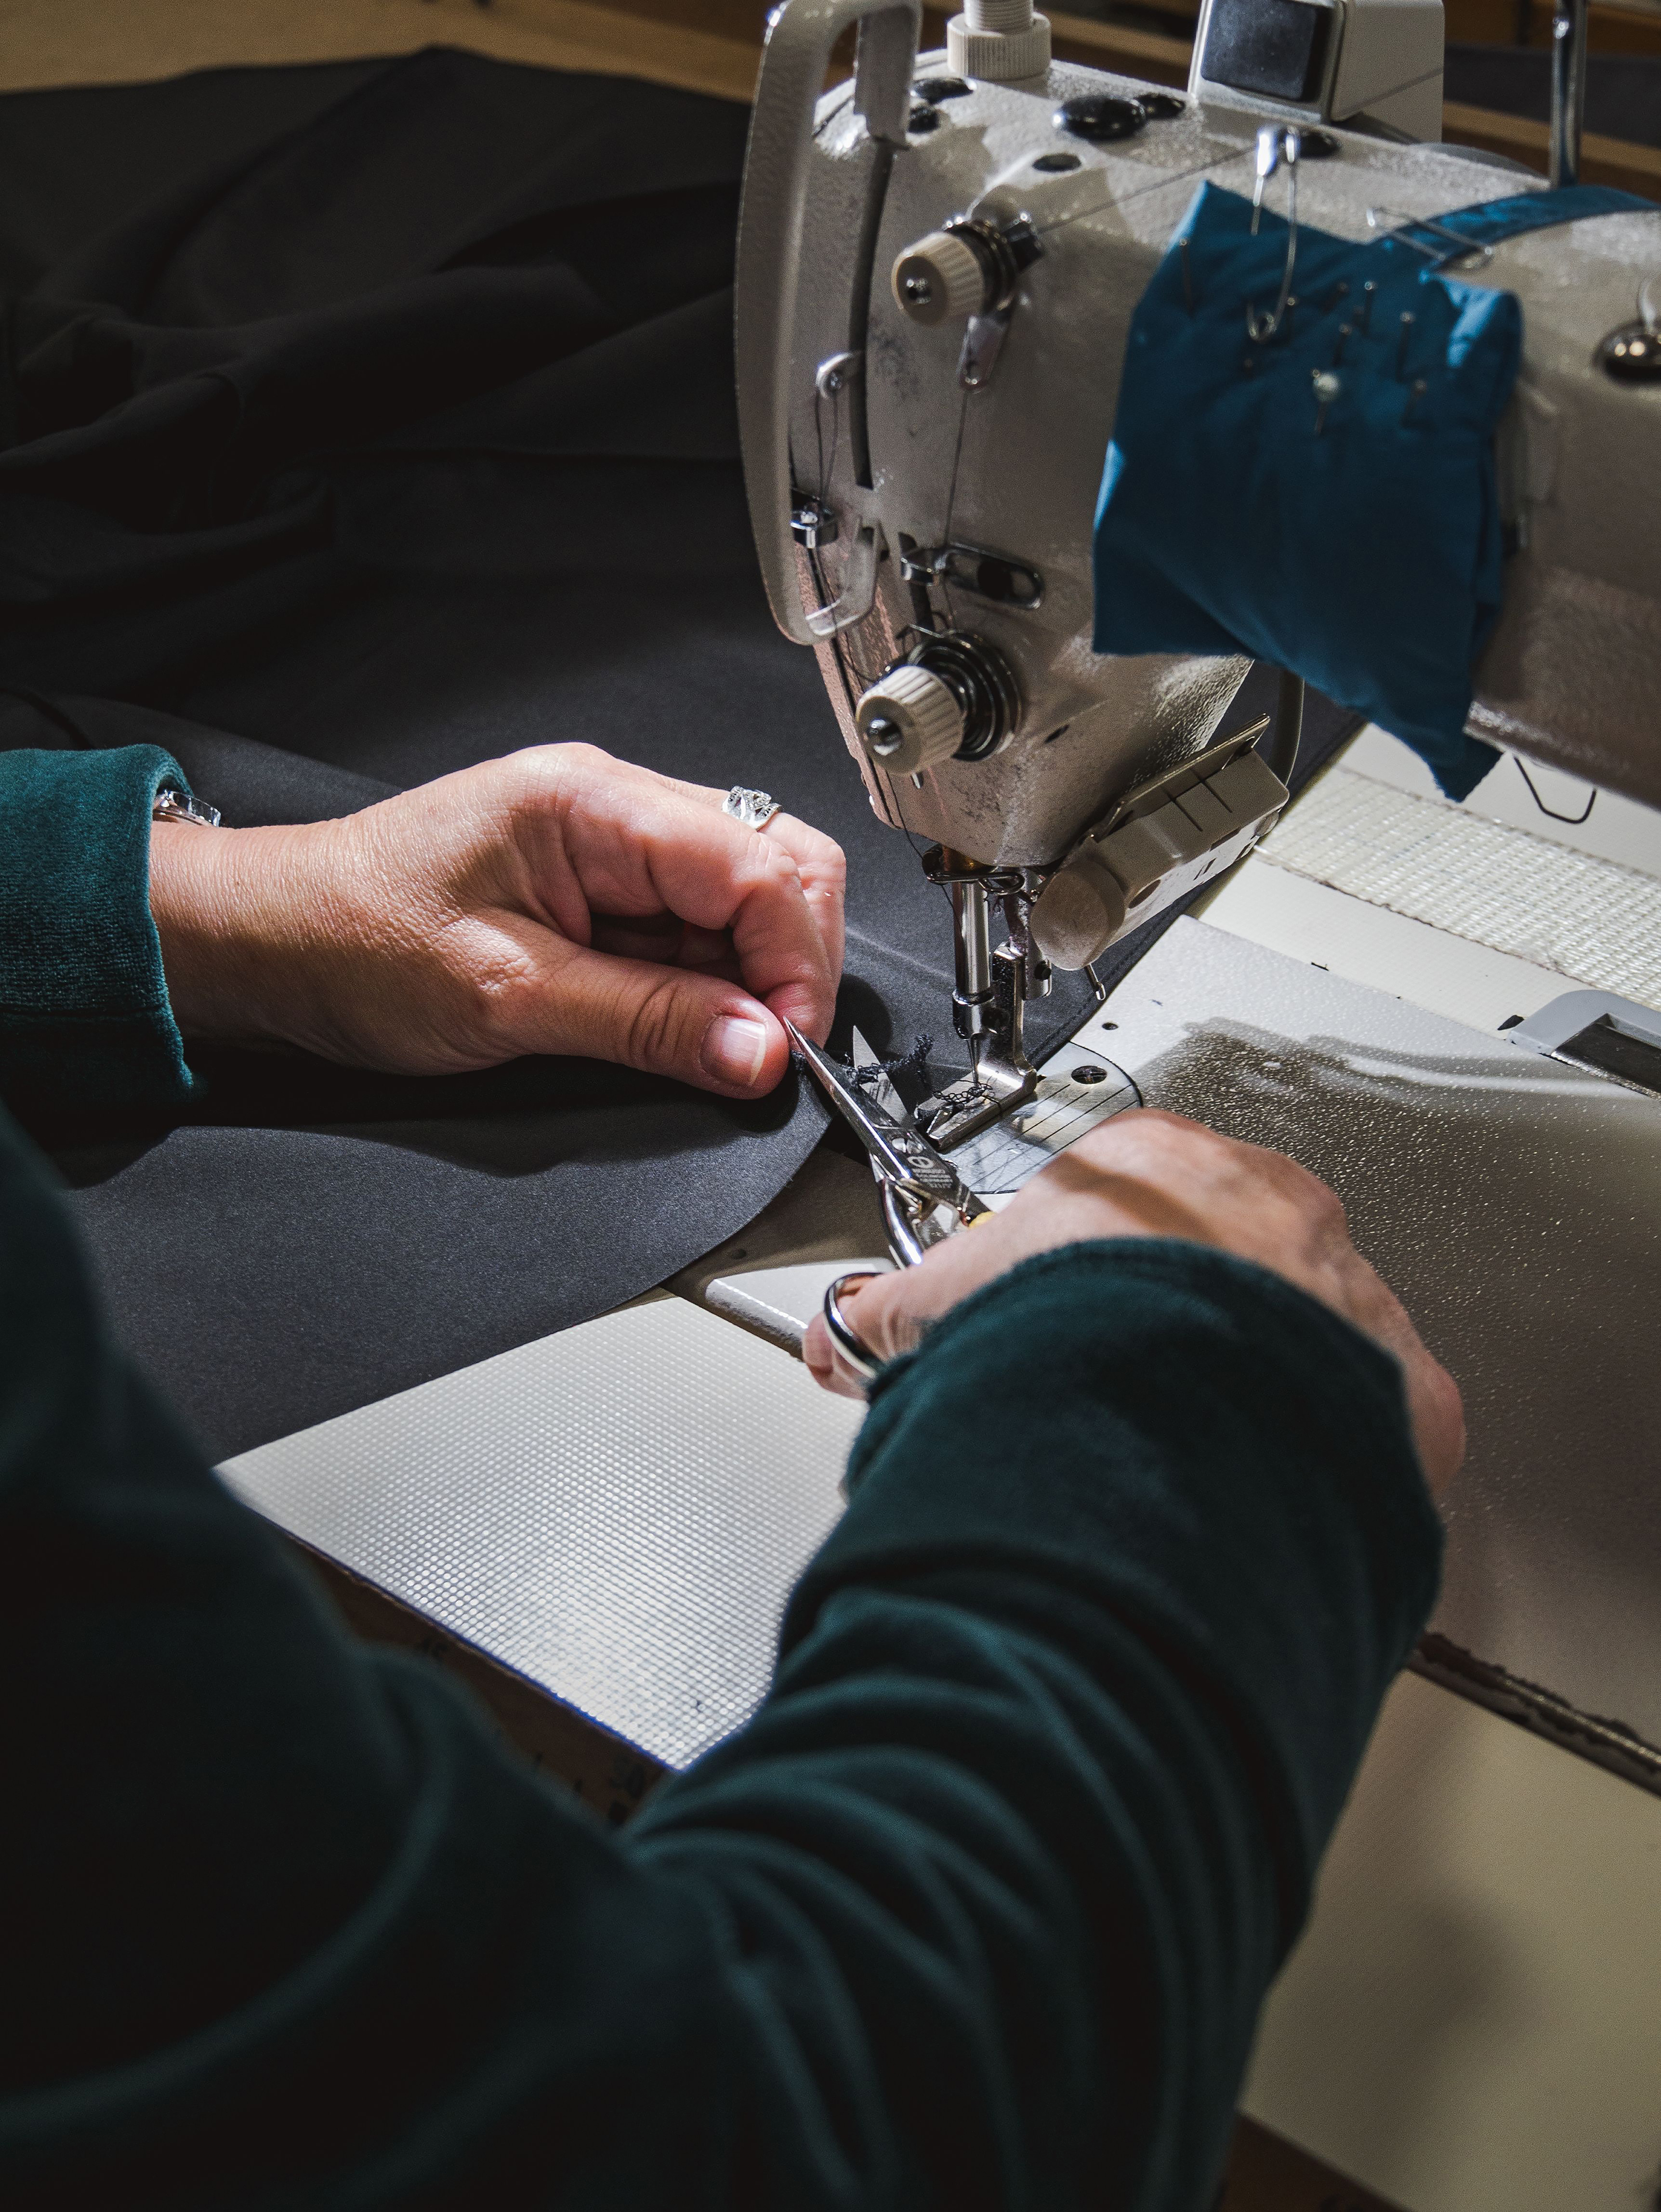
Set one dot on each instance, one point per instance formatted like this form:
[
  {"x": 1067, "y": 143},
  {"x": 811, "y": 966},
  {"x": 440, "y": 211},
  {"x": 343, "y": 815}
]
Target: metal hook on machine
[
  {"x": 1456, "y": 245},
  {"x": 1278, "y": 144}
]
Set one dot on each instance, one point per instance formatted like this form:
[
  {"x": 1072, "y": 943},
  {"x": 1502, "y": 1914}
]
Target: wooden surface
[
  {"x": 708, "y": 46},
  {"x": 1267, "y": 2173},
  {"x": 1603, "y": 160},
  {"x": 1611, "y": 29},
  {"x": 62, "y": 42}
]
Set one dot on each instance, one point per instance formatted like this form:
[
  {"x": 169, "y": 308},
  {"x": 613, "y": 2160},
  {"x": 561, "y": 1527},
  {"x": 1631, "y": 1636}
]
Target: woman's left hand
[{"x": 555, "y": 900}]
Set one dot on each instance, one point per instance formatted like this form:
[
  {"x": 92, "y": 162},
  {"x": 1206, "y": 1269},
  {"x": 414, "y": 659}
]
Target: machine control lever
[{"x": 996, "y": 576}]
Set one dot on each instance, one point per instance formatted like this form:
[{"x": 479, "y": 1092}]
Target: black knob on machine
[{"x": 1101, "y": 115}]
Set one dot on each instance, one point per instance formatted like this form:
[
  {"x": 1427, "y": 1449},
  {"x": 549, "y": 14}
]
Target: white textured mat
[
  {"x": 1588, "y": 919},
  {"x": 617, "y": 1512}
]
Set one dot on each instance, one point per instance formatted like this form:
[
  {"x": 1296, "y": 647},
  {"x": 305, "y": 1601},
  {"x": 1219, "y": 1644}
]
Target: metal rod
[
  {"x": 1568, "y": 89},
  {"x": 973, "y": 941},
  {"x": 972, "y": 1010},
  {"x": 973, "y": 948}
]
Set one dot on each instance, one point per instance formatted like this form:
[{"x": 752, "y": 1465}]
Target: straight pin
[
  {"x": 1327, "y": 387},
  {"x": 1402, "y": 347},
  {"x": 1420, "y": 388},
  {"x": 1338, "y": 350},
  {"x": 1366, "y": 319},
  {"x": 1187, "y": 281}
]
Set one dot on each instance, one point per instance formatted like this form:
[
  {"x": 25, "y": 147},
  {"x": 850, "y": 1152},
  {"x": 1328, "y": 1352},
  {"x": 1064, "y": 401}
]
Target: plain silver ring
[
  {"x": 754, "y": 809},
  {"x": 846, "y": 1338}
]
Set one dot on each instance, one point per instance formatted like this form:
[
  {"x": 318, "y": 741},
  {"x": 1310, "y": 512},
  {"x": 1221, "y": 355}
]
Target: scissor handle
[
  {"x": 843, "y": 1334},
  {"x": 799, "y": 39}
]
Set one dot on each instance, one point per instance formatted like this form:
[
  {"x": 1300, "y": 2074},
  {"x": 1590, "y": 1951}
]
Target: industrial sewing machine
[{"x": 937, "y": 266}]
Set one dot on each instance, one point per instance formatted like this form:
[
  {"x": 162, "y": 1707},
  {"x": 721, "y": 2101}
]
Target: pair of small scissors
[{"x": 924, "y": 1199}]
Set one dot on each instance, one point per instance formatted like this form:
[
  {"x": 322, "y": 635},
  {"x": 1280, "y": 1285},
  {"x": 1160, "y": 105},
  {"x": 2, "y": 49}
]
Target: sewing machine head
[{"x": 937, "y": 266}]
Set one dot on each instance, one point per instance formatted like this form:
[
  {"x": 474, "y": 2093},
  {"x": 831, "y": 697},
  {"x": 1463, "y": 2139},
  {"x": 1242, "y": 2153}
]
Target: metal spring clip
[
  {"x": 1277, "y": 143},
  {"x": 1456, "y": 246}
]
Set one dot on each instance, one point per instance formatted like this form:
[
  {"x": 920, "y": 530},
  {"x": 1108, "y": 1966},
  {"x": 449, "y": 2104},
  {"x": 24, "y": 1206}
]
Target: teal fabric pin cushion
[{"x": 1324, "y": 497}]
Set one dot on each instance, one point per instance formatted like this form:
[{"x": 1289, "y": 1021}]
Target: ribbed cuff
[{"x": 86, "y": 1028}]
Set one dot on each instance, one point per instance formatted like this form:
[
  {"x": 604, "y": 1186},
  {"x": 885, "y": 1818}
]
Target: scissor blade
[
  {"x": 881, "y": 1087},
  {"x": 875, "y": 1127},
  {"x": 899, "y": 1152}
]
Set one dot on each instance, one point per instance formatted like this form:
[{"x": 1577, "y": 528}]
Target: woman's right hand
[{"x": 1152, "y": 1174}]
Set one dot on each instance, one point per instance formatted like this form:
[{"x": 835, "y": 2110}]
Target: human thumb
[{"x": 663, "y": 1020}]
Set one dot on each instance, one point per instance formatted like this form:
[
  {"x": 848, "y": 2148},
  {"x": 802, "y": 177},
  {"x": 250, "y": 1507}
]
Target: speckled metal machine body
[{"x": 900, "y": 456}]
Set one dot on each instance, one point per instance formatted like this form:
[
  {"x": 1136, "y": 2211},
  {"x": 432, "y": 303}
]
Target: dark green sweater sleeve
[
  {"x": 978, "y": 1911},
  {"x": 85, "y": 1025}
]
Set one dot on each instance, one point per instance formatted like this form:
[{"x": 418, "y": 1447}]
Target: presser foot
[
  {"x": 989, "y": 1007},
  {"x": 975, "y": 1102}
]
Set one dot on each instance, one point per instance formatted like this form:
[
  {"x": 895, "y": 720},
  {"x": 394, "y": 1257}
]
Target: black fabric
[
  {"x": 367, "y": 422},
  {"x": 241, "y": 289}
]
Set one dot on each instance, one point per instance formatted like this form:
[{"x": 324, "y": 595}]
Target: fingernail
[{"x": 734, "y": 1050}]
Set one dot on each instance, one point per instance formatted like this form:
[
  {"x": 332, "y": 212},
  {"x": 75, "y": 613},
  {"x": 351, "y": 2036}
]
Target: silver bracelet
[{"x": 171, "y": 805}]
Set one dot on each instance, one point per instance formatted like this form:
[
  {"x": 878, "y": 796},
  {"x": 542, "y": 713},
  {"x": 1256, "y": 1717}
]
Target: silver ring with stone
[
  {"x": 847, "y": 1339},
  {"x": 754, "y": 809}
]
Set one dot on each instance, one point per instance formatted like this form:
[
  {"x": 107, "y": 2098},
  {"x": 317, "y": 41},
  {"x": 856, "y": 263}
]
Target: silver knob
[
  {"x": 910, "y": 721},
  {"x": 938, "y": 278}
]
